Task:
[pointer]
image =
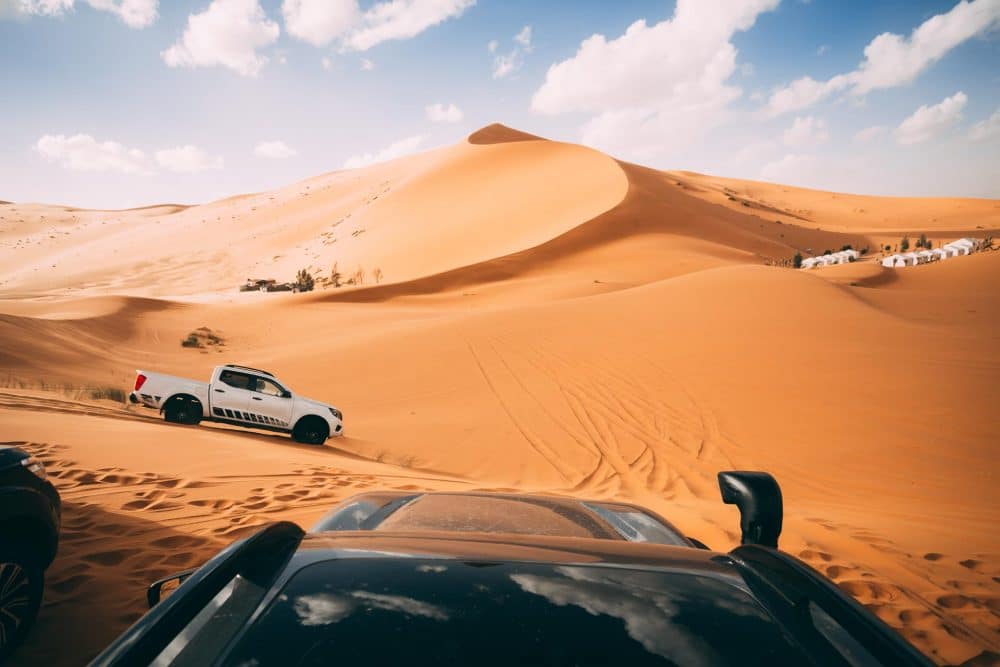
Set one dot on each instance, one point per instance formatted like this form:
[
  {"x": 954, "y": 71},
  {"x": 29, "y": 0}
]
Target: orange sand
[{"x": 549, "y": 320}]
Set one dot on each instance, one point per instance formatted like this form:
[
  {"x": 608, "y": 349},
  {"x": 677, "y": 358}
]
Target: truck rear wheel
[
  {"x": 311, "y": 431},
  {"x": 21, "y": 584},
  {"x": 182, "y": 410}
]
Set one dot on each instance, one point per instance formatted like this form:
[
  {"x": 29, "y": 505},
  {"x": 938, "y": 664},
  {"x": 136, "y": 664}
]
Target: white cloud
[
  {"x": 38, "y": 7},
  {"x": 806, "y": 131},
  {"x": 505, "y": 64},
  {"x": 134, "y": 13},
  {"x": 319, "y": 22},
  {"x": 928, "y": 121},
  {"x": 390, "y": 152},
  {"x": 187, "y": 159},
  {"x": 803, "y": 93},
  {"x": 642, "y": 110},
  {"x": 367, "y": 65},
  {"x": 326, "y": 62},
  {"x": 228, "y": 33},
  {"x": 524, "y": 38},
  {"x": 893, "y": 60},
  {"x": 869, "y": 134},
  {"x": 439, "y": 113},
  {"x": 987, "y": 129},
  {"x": 401, "y": 19},
  {"x": 823, "y": 48},
  {"x": 81, "y": 152},
  {"x": 493, "y": 46},
  {"x": 276, "y": 150}
]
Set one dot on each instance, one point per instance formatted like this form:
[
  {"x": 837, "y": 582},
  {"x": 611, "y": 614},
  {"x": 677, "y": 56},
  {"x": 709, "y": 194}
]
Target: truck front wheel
[
  {"x": 311, "y": 431},
  {"x": 182, "y": 410}
]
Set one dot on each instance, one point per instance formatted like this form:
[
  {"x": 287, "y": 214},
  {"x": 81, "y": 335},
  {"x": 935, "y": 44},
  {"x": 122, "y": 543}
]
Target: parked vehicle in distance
[
  {"x": 259, "y": 285},
  {"x": 476, "y": 578},
  {"x": 30, "y": 514},
  {"x": 240, "y": 396}
]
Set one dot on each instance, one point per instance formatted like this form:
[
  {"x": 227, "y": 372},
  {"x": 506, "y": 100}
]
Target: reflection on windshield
[
  {"x": 651, "y": 615},
  {"x": 328, "y": 608}
]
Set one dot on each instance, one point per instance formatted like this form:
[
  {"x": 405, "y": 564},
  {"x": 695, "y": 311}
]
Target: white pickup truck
[{"x": 240, "y": 396}]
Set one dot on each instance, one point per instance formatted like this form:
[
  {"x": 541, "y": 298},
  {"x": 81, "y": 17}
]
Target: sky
[{"x": 121, "y": 103}]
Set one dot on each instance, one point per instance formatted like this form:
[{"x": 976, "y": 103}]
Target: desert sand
[{"x": 548, "y": 319}]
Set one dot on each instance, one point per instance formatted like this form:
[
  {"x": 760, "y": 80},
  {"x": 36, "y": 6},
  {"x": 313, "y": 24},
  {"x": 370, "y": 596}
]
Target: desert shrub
[
  {"x": 335, "y": 275},
  {"x": 304, "y": 280},
  {"x": 922, "y": 241},
  {"x": 377, "y": 274},
  {"x": 797, "y": 260},
  {"x": 846, "y": 247},
  {"x": 864, "y": 251},
  {"x": 191, "y": 341},
  {"x": 107, "y": 394},
  {"x": 359, "y": 276},
  {"x": 888, "y": 247},
  {"x": 827, "y": 252},
  {"x": 904, "y": 244},
  {"x": 851, "y": 259}
]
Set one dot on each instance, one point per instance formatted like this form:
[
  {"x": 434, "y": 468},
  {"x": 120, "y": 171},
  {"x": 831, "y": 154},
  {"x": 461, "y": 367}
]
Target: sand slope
[{"x": 554, "y": 321}]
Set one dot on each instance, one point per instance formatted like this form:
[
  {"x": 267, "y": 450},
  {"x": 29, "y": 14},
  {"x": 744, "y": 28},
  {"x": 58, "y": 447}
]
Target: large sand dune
[{"x": 550, "y": 320}]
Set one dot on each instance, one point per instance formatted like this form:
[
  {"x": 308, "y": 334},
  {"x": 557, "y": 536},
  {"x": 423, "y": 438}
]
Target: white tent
[
  {"x": 810, "y": 263},
  {"x": 960, "y": 248},
  {"x": 890, "y": 261},
  {"x": 911, "y": 259},
  {"x": 950, "y": 251},
  {"x": 926, "y": 255},
  {"x": 939, "y": 253}
]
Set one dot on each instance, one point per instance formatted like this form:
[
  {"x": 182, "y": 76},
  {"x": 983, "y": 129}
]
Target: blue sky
[{"x": 115, "y": 103}]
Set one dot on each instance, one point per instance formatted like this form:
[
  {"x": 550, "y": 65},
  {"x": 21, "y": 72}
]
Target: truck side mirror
[{"x": 758, "y": 497}]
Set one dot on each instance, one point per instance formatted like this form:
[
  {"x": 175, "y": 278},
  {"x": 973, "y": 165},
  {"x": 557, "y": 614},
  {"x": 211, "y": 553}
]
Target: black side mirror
[
  {"x": 166, "y": 585},
  {"x": 758, "y": 497}
]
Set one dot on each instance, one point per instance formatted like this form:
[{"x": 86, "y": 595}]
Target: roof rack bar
[{"x": 247, "y": 368}]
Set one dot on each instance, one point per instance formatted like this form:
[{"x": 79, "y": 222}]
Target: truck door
[
  {"x": 270, "y": 403},
  {"x": 230, "y": 396}
]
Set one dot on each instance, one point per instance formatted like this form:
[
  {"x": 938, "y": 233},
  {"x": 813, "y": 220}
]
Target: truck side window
[
  {"x": 267, "y": 387},
  {"x": 237, "y": 380}
]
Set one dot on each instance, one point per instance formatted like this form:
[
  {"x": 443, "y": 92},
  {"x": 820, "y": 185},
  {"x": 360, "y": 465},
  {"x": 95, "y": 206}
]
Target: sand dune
[{"x": 551, "y": 320}]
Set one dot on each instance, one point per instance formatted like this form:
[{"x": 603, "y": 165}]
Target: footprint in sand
[
  {"x": 953, "y": 601},
  {"x": 69, "y": 584},
  {"x": 109, "y": 558}
]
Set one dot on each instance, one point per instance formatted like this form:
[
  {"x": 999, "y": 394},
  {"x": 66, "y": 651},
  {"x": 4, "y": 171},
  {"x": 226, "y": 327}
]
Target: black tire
[
  {"x": 182, "y": 410},
  {"x": 22, "y": 582},
  {"x": 311, "y": 431}
]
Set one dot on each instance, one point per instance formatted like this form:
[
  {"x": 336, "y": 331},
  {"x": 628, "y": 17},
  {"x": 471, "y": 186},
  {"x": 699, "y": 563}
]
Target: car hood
[{"x": 315, "y": 405}]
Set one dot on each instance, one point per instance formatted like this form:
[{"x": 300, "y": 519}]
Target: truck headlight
[
  {"x": 35, "y": 467},
  {"x": 337, "y": 413}
]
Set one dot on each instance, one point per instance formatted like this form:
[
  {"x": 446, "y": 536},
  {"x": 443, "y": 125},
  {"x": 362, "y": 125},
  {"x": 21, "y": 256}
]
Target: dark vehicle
[
  {"x": 259, "y": 285},
  {"x": 30, "y": 512},
  {"x": 469, "y": 578}
]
